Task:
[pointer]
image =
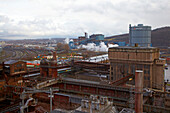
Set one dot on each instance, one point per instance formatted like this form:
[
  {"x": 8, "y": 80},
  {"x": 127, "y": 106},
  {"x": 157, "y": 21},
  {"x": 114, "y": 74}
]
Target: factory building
[
  {"x": 15, "y": 67},
  {"x": 125, "y": 60},
  {"x": 97, "y": 37},
  {"x": 48, "y": 68},
  {"x": 140, "y": 35}
]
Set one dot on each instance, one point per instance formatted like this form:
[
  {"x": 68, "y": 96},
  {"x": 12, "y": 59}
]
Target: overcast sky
[{"x": 24, "y": 19}]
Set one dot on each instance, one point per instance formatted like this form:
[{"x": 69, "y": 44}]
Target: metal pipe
[{"x": 25, "y": 106}]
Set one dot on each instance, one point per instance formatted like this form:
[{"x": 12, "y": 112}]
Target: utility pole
[
  {"x": 51, "y": 97},
  {"x": 24, "y": 94}
]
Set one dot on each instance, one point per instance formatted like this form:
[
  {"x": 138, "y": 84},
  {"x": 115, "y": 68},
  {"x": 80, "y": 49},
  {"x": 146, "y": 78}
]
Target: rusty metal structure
[{"x": 83, "y": 80}]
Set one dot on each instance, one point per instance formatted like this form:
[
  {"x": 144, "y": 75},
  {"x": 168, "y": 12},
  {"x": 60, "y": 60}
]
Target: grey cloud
[{"x": 74, "y": 17}]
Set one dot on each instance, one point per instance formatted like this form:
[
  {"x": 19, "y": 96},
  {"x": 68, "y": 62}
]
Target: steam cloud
[
  {"x": 102, "y": 47},
  {"x": 66, "y": 41}
]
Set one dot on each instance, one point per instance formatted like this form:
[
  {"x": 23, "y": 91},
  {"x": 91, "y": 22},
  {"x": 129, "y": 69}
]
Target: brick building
[
  {"x": 48, "y": 68},
  {"x": 125, "y": 60},
  {"x": 14, "y": 67}
]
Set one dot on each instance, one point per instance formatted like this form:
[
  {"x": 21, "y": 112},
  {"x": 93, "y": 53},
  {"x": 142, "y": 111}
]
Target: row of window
[
  {"x": 123, "y": 69},
  {"x": 19, "y": 65},
  {"x": 18, "y": 70}
]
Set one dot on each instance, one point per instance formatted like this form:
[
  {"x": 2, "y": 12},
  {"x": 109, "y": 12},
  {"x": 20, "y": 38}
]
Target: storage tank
[{"x": 140, "y": 35}]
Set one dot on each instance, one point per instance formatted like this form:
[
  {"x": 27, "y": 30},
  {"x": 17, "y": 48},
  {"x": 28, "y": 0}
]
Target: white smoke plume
[
  {"x": 66, "y": 41},
  {"x": 101, "y": 47}
]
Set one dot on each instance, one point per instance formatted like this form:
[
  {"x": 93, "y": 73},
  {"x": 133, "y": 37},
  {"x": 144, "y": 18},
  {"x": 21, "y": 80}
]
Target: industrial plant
[{"x": 127, "y": 78}]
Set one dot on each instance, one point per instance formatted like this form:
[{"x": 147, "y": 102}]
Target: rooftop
[
  {"x": 11, "y": 62},
  {"x": 130, "y": 47}
]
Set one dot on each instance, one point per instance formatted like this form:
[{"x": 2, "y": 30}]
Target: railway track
[
  {"x": 8, "y": 54},
  {"x": 17, "y": 54}
]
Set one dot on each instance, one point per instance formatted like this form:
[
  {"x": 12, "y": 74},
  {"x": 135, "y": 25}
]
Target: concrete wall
[
  {"x": 125, "y": 60},
  {"x": 134, "y": 53}
]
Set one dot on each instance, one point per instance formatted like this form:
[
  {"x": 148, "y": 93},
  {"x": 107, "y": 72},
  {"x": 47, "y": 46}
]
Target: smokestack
[
  {"x": 139, "y": 91},
  {"x": 86, "y": 35},
  {"x": 54, "y": 55}
]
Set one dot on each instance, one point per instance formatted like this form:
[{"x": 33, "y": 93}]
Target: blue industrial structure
[
  {"x": 121, "y": 43},
  {"x": 71, "y": 44},
  {"x": 140, "y": 35},
  {"x": 97, "y": 37}
]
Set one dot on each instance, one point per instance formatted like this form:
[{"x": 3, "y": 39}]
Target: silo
[{"x": 140, "y": 35}]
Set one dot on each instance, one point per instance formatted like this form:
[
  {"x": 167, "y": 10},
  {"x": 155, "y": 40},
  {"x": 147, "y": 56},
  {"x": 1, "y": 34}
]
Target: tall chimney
[
  {"x": 54, "y": 55},
  {"x": 86, "y": 35},
  {"x": 54, "y": 70},
  {"x": 139, "y": 91}
]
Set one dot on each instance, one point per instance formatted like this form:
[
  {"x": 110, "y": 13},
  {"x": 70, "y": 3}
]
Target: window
[
  {"x": 133, "y": 69},
  {"x": 19, "y": 65},
  {"x": 145, "y": 77},
  {"x": 148, "y": 77},
  {"x": 146, "y": 66},
  {"x": 140, "y": 67}
]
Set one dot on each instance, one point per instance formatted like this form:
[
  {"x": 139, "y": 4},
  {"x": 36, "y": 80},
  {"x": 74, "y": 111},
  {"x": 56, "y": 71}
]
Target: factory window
[
  {"x": 133, "y": 69},
  {"x": 16, "y": 70},
  {"x": 140, "y": 67},
  {"x": 146, "y": 66},
  {"x": 112, "y": 73},
  {"x": 147, "y": 71},
  {"x": 22, "y": 69},
  {"x": 18, "y": 65},
  {"x": 148, "y": 77},
  {"x": 145, "y": 77},
  {"x": 126, "y": 68},
  {"x": 144, "y": 71}
]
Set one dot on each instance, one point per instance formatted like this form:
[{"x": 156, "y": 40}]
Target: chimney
[
  {"x": 54, "y": 55},
  {"x": 86, "y": 35},
  {"x": 139, "y": 91}
]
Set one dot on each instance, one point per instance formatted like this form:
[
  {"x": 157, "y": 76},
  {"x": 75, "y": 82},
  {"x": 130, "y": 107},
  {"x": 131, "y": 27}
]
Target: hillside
[{"x": 160, "y": 37}]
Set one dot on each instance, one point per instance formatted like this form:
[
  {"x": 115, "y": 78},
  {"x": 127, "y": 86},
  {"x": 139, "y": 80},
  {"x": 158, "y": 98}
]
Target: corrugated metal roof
[
  {"x": 31, "y": 75},
  {"x": 78, "y": 80},
  {"x": 11, "y": 62},
  {"x": 97, "y": 58}
]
